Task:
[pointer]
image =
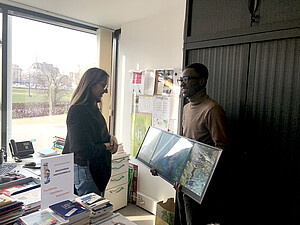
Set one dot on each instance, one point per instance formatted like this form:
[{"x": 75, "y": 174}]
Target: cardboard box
[{"x": 165, "y": 212}]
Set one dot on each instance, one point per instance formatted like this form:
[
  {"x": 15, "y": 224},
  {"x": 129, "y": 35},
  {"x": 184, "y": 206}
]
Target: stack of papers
[
  {"x": 31, "y": 200},
  {"x": 47, "y": 152},
  {"x": 100, "y": 208},
  {"x": 10, "y": 210}
]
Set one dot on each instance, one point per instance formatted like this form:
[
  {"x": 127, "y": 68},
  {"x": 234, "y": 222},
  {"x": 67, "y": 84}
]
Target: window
[
  {"x": 47, "y": 62},
  {"x": 1, "y": 103}
]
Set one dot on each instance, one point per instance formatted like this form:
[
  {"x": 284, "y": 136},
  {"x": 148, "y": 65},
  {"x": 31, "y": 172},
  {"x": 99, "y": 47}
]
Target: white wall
[{"x": 153, "y": 43}]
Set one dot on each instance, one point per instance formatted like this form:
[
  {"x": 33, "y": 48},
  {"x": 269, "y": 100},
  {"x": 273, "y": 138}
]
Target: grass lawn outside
[{"x": 20, "y": 95}]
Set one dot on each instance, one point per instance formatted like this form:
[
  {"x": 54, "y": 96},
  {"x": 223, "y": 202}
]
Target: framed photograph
[{"x": 179, "y": 159}]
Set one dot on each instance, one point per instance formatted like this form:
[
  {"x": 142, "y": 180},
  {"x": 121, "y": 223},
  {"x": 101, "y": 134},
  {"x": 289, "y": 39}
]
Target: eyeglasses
[
  {"x": 187, "y": 79},
  {"x": 104, "y": 86}
]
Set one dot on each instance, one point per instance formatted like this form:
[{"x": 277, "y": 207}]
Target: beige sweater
[{"x": 204, "y": 121}]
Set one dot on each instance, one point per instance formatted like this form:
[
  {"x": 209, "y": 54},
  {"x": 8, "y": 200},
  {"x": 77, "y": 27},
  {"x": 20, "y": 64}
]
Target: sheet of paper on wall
[
  {"x": 137, "y": 82},
  {"x": 142, "y": 104},
  {"x": 174, "y": 106},
  {"x": 145, "y": 104},
  {"x": 135, "y": 103},
  {"x": 159, "y": 74},
  {"x": 173, "y": 115},
  {"x": 149, "y": 82},
  {"x": 176, "y": 84},
  {"x": 161, "y": 112}
]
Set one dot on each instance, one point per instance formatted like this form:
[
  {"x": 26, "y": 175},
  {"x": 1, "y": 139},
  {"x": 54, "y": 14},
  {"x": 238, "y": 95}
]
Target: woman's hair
[{"x": 82, "y": 94}]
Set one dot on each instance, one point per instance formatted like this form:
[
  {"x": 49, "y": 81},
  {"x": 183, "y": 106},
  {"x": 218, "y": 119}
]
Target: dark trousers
[
  {"x": 216, "y": 206},
  {"x": 186, "y": 211},
  {"x": 190, "y": 212}
]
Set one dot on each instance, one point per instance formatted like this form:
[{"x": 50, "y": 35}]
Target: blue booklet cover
[{"x": 68, "y": 209}]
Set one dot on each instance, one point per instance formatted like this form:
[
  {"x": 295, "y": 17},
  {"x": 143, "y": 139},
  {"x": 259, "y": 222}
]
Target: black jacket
[{"x": 86, "y": 134}]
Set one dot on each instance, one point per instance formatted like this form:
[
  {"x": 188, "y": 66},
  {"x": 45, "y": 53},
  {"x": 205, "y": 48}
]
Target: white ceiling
[{"x": 106, "y": 13}]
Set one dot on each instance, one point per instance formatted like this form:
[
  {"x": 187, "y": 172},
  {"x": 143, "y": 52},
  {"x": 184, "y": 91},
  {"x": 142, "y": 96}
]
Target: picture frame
[{"x": 180, "y": 159}]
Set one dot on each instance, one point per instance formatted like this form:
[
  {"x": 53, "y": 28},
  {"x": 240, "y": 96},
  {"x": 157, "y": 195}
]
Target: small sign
[{"x": 57, "y": 179}]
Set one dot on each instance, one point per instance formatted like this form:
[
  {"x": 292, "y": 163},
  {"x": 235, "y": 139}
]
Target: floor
[{"x": 137, "y": 215}]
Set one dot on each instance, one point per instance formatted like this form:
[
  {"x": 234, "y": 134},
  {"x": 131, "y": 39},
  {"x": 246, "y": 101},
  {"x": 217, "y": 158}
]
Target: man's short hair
[{"x": 200, "y": 69}]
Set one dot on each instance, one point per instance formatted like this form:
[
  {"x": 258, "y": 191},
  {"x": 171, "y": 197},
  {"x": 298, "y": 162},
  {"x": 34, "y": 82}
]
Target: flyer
[{"x": 57, "y": 179}]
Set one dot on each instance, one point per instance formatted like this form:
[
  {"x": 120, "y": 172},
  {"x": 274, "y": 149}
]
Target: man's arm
[{"x": 216, "y": 127}]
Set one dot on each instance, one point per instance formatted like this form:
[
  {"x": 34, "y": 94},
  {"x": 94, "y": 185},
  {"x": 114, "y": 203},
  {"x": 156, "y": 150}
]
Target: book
[
  {"x": 47, "y": 152},
  {"x": 7, "y": 205},
  {"x": 11, "y": 217},
  {"x": 132, "y": 177},
  {"x": 89, "y": 199},
  {"x": 106, "y": 208},
  {"x": 17, "y": 188},
  {"x": 96, "y": 205},
  {"x": 31, "y": 210},
  {"x": 70, "y": 210},
  {"x": 10, "y": 208},
  {"x": 44, "y": 217},
  {"x": 92, "y": 201},
  {"x": 58, "y": 144},
  {"x": 60, "y": 138},
  {"x": 8, "y": 190},
  {"x": 31, "y": 198},
  {"x": 4, "y": 200}
]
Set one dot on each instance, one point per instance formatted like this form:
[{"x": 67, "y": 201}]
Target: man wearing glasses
[{"x": 204, "y": 121}]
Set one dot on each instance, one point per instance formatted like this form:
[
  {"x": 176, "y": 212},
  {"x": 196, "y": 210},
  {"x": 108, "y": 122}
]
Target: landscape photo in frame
[
  {"x": 179, "y": 159},
  {"x": 171, "y": 158}
]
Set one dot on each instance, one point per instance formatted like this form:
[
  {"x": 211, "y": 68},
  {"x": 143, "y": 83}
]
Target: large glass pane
[
  {"x": 47, "y": 63},
  {"x": 1, "y": 71}
]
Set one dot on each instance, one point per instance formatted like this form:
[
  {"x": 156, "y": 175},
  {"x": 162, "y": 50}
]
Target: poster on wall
[
  {"x": 139, "y": 125},
  {"x": 142, "y": 82},
  {"x": 137, "y": 82},
  {"x": 179, "y": 159},
  {"x": 165, "y": 80},
  {"x": 168, "y": 81},
  {"x": 57, "y": 179}
]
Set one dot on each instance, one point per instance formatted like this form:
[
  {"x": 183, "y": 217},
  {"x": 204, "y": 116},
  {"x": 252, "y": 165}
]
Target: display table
[
  {"x": 117, "y": 188},
  {"x": 27, "y": 172}
]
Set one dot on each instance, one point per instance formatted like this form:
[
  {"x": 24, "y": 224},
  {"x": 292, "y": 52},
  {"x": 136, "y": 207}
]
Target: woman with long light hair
[{"x": 87, "y": 134}]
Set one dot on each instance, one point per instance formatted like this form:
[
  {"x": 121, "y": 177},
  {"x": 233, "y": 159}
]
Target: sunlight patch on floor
[{"x": 140, "y": 218}]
